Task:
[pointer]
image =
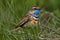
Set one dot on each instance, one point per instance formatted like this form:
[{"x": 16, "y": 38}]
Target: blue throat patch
[{"x": 36, "y": 12}]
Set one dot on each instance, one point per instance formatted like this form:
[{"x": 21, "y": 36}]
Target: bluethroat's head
[{"x": 36, "y": 10}]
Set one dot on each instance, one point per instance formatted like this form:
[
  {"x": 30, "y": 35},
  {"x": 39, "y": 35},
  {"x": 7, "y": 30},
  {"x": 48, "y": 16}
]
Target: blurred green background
[{"x": 11, "y": 11}]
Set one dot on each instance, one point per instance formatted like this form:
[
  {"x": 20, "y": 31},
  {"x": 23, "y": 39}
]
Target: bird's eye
[{"x": 35, "y": 8}]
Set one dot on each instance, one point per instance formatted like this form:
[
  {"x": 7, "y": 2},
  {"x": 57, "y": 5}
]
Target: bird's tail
[{"x": 15, "y": 29}]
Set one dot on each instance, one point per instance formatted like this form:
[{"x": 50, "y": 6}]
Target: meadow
[{"x": 12, "y": 11}]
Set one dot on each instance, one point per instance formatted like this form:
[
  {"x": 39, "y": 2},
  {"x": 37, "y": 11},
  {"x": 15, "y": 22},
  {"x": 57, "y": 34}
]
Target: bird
[{"x": 31, "y": 17}]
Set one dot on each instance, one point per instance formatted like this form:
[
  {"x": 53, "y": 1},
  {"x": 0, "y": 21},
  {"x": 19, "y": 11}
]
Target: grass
[{"x": 11, "y": 12}]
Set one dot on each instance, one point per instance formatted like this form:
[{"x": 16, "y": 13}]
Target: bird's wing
[
  {"x": 24, "y": 20},
  {"x": 21, "y": 24}
]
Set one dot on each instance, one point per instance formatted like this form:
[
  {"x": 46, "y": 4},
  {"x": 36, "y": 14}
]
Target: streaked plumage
[{"x": 29, "y": 17}]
